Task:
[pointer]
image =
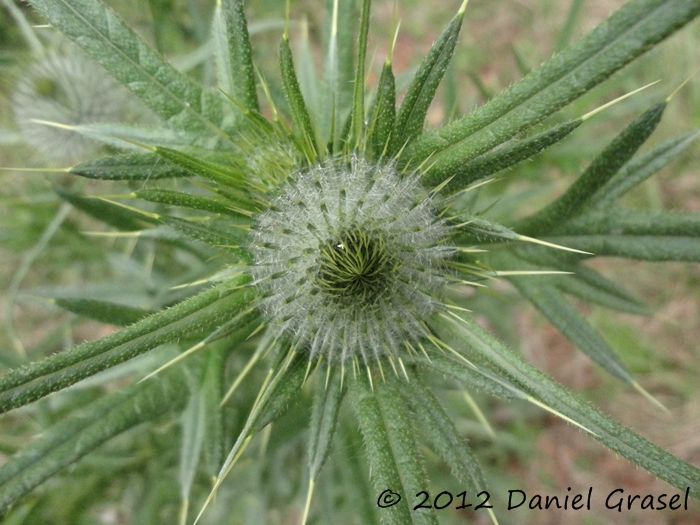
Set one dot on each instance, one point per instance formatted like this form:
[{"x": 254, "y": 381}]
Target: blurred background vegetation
[{"x": 45, "y": 253}]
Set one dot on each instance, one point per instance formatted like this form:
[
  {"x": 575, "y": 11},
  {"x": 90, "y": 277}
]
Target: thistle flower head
[{"x": 350, "y": 259}]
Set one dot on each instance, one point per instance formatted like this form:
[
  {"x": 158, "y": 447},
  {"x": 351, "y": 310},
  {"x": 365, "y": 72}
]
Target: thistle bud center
[{"x": 355, "y": 266}]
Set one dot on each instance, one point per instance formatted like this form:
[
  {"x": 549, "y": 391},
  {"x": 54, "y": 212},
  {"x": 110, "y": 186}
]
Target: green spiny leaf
[
  {"x": 126, "y": 137},
  {"x": 641, "y": 168},
  {"x": 636, "y": 27},
  {"x": 641, "y": 247},
  {"x": 59, "y": 434},
  {"x": 103, "y": 311},
  {"x": 414, "y": 108},
  {"x": 390, "y": 446},
  {"x": 288, "y": 387},
  {"x": 479, "y": 229},
  {"x": 213, "y": 393},
  {"x": 507, "y": 155},
  {"x": 543, "y": 294},
  {"x": 193, "y": 425},
  {"x": 585, "y": 283},
  {"x": 601, "y": 170},
  {"x": 283, "y": 383},
  {"x": 633, "y": 222},
  {"x": 476, "y": 376},
  {"x": 598, "y": 292},
  {"x": 78, "y": 435},
  {"x": 441, "y": 432},
  {"x": 111, "y": 214},
  {"x": 226, "y": 174},
  {"x": 308, "y": 78},
  {"x": 186, "y": 200},
  {"x": 220, "y": 312},
  {"x": 31, "y": 382},
  {"x": 237, "y": 73},
  {"x": 548, "y": 300},
  {"x": 324, "y": 416},
  {"x": 145, "y": 166},
  {"x": 339, "y": 69},
  {"x": 230, "y": 239},
  {"x": 354, "y": 476},
  {"x": 612, "y": 434},
  {"x": 358, "y": 103},
  {"x": 383, "y": 113},
  {"x": 297, "y": 105}
]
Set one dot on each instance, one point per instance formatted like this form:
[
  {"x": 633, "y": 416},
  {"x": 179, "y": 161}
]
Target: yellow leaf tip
[{"x": 650, "y": 398}]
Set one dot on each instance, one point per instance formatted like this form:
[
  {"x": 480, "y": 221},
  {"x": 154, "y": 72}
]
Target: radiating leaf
[
  {"x": 79, "y": 434},
  {"x": 476, "y": 377},
  {"x": 390, "y": 447},
  {"x": 226, "y": 174},
  {"x": 383, "y": 113},
  {"x": 633, "y": 222},
  {"x": 186, "y": 200},
  {"x": 103, "y": 311},
  {"x": 193, "y": 425},
  {"x": 642, "y": 247},
  {"x": 231, "y": 239},
  {"x": 297, "y": 105},
  {"x": 339, "y": 69},
  {"x": 641, "y": 167},
  {"x": 309, "y": 81},
  {"x": 421, "y": 91},
  {"x": 324, "y": 416},
  {"x": 612, "y": 434},
  {"x": 436, "y": 425},
  {"x": 354, "y": 475},
  {"x": 282, "y": 384},
  {"x": 34, "y": 381},
  {"x": 558, "y": 311},
  {"x": 234, "y": 54},
  {"x": 213, "y": 392},
  {"x": 287, "y": 389},
  {"x": 358, "y": 97},
  {"x": 627, "y": 34},
  {"x": 507, "y": 155},
  {"x": 543, "y": 294},
  {"x": 601, "y": 170},
  {"x": 591, "y": 286},
  {"x": 111, "y": 214},
  {"x": 145, "y": 166},
  {"x": 126, "y": 137}
]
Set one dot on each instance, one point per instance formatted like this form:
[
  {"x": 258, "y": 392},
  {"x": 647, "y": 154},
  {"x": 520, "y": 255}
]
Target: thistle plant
[{"x": 325, "y": 248}]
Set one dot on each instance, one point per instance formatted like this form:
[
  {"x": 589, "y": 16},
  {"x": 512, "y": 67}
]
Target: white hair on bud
[{"x": 350, "y": 258}]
